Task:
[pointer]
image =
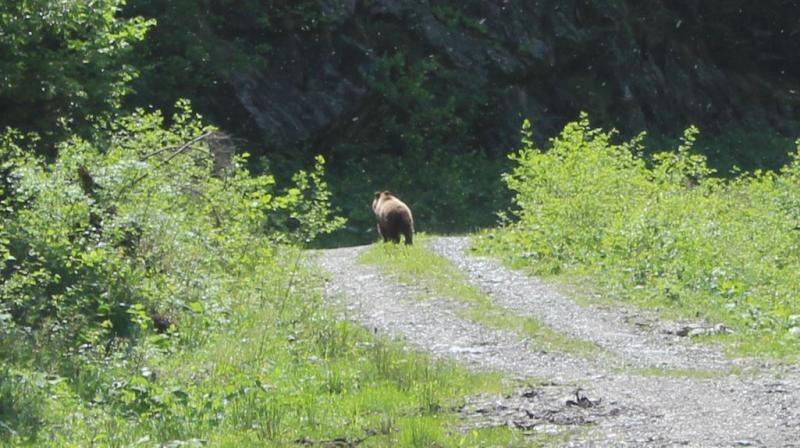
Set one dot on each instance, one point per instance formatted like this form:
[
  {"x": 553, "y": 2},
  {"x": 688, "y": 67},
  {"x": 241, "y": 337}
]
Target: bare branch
[
  {"x": 178, "y": 148},
  {"x": 178, "y": 151}
]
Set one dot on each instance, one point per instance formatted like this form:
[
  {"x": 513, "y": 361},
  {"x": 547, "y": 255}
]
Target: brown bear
[{"x": 394, "y": 217}]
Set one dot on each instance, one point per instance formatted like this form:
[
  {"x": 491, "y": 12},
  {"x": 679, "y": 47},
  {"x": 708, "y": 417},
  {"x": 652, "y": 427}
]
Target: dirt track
[{"x": 647, "y": 386}]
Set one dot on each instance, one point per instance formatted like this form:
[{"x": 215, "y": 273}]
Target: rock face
[{"x": 630, "y": 64}]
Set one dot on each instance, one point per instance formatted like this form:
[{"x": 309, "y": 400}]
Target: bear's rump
[{"x": 396, "y": 217}]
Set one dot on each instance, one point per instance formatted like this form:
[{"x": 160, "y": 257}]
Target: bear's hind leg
[{"x": 408, "y": 235}]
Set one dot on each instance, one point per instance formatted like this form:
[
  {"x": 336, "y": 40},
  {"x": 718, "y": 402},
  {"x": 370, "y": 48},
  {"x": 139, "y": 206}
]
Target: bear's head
[{"x": 381, "y": 196}]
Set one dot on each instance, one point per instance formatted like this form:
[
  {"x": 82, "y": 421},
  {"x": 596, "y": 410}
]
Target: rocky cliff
[{"x": 631, "y": 64}]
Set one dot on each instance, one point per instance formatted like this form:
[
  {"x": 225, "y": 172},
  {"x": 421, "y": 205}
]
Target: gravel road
[{"x": 639, "y": 395}]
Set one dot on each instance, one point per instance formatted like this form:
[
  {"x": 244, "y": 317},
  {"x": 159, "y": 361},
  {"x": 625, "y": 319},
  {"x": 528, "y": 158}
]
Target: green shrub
[
  {"x": 130, "y": 244},
  {"x": 101, "y": 230},
  {"x": 661, "y": 231},
  {"x": 65, "y": 62}
]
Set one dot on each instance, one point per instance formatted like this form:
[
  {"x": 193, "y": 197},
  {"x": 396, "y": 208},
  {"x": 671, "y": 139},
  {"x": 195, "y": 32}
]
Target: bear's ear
[{"x": 377, "y": 194}]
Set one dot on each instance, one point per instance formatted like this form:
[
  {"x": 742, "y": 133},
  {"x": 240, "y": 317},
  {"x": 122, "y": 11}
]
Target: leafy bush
[
  {"x": 90, "y": 232},
  {"x": 661, "y": 231},
  {"x": 131, "y": 243},
  {"x": 63, "y": 62}
]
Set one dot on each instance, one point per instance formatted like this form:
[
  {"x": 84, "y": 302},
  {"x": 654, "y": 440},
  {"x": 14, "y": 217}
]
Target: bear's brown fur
[{"x": 394, "y": 217}]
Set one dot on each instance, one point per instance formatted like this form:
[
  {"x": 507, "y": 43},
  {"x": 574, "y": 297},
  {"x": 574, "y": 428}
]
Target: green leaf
[{"x": 196, "y": 307}]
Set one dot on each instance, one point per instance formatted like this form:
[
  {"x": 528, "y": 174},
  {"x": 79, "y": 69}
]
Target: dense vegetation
[
  {"x": 138, "y": 246},
  {"x": 133, "y": 264},
  {"x": 409, "y": 96},
  {"x": 64, "y": 63},
  {"x": 136, "y": 250},
  {"x": 661, "y": 231}
]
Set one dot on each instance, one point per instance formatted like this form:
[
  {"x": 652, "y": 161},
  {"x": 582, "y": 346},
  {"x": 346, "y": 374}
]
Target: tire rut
[
  {"x": 632, "y": 409},
  {"x": 607, "y": 327},
  {"x": 433, "y": 324}
]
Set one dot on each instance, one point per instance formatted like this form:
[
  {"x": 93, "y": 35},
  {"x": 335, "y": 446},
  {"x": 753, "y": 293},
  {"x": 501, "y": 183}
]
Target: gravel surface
[
  {"x": 607, "y": 327},
  {"x": 614, "y": 405}
]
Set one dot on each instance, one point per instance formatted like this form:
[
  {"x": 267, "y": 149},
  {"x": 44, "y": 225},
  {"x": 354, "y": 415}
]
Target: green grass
[
  {"x": 437, "y": 277},
  {"x": 660, "y": 232},
  {"x": 283, "y": 372}
]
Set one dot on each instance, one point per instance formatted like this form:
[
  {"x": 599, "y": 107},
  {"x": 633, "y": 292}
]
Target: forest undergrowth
[
  {"x": 154, "y": 294},
  {"x": 660, "y": 231}
]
